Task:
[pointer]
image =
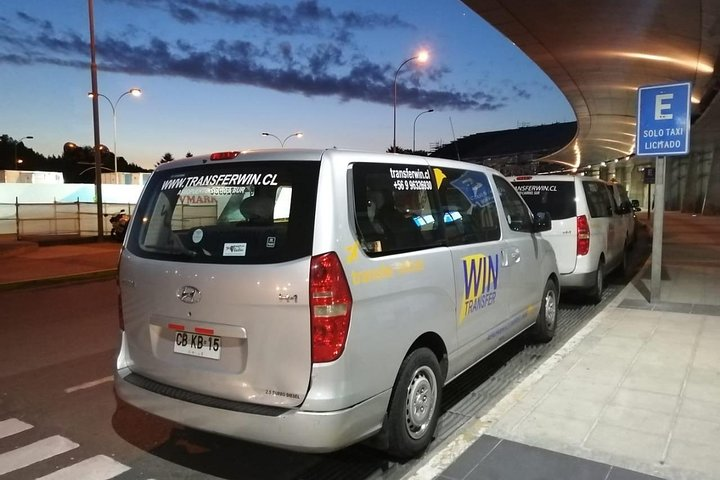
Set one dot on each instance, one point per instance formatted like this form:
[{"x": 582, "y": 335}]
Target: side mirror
[
  {"x": 635, "y": 205},
  {"x": 624, "y": 208},
  {"x": 542, "y": 222}
]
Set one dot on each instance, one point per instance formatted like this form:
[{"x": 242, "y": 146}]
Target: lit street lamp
[
  {"x": 421, "y": 57},
  {"x": 418, "y": 116},
  {"x": 135, "y": 92},
  {"x": 282, "y": 142},
  {"x": 16, "y": 144}
]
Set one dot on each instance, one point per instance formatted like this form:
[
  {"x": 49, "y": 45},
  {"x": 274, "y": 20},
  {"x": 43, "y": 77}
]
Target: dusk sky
[{"x": 217, "y": 73}]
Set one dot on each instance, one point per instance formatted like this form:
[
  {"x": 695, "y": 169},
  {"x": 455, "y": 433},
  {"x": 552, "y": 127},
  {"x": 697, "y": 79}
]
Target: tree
[
  {"x": 168, "y": 157},
  {"x": 404, "y": 151},
  {"x": 188, "y": 155}
]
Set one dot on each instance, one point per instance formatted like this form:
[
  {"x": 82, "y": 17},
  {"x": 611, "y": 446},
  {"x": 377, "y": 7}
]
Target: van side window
[
  {"x": 620, "y": 199},
  {"x": 469, "y": 210},
  {"x": 516, "y": 211},
  {"x": 598, "y": 199},
  {"x": 395, "y": 208}
]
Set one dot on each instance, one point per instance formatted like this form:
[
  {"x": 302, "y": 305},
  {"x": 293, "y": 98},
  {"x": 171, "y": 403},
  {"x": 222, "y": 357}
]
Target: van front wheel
[
  {"x": 546, "y": 322},
  {"x": 415, "y": 404}
]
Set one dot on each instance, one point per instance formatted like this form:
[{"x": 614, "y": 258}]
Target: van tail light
[
  {"x": 330, "y": 305},
  {"x": 583, "y": 235},
  {"x": 224, "y": 155},
  {"x": 524, "y": 177}
]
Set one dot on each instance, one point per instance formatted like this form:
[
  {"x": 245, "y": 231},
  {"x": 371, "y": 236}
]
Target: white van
[
  {"x": 310, "y": 299},
  {"x": 623, "y": 208},
  {"x": 590, "y": 234}
]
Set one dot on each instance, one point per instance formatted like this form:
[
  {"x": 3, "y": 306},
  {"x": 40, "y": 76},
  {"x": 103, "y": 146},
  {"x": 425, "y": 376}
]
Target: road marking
[
  {"x": 35, "y": 452},
  {"x": 85, "y": 385},
  {"x": 100, "y": 467},
  {"x": 12, "y": 426}
]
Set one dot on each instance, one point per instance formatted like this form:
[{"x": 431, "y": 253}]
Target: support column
[{"x": 711, "y": 199}]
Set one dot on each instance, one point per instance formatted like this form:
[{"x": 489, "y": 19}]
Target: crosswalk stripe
[
  {"x": 35, "y": 452},
  {"x": 12, "y": 426},
  {"x": 100, "y": 467}
]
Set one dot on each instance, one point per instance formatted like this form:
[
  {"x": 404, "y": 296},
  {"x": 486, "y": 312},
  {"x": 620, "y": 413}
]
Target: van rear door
[
  {"x": 558, "y": 198},
  {"x": 214, "y": 280}
]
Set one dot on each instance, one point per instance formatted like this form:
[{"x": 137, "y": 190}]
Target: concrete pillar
[
  {"x": 693, "y": 191},
  {"x": 711, "y": 199}
]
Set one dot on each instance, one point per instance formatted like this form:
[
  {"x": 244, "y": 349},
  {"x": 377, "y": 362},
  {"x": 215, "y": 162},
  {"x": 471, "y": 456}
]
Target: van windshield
[
  {"x": 558, "y": 198},
  {"x": 234, "y": 212}
]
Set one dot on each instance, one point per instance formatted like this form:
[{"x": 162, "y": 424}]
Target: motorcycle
[{"x": 119, "y": 223}]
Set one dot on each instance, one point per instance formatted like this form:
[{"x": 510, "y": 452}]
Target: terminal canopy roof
[{"x": 599, "y": 52}]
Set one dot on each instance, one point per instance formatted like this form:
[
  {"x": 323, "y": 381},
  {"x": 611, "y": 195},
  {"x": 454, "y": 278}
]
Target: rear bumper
[
  {"x": 576, "y": 281},
  {"x": 292, "y": 429}
]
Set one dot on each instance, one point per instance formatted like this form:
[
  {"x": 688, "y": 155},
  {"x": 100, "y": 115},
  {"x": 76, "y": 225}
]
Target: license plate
[{"x": 198, "y": 345}]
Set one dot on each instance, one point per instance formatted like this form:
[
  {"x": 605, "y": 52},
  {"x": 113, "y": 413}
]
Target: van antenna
[{"x": 457, "y": 149}]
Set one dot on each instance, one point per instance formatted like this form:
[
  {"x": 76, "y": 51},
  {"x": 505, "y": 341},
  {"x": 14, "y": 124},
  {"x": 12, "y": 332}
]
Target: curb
[{"x": 42, "y": 282}]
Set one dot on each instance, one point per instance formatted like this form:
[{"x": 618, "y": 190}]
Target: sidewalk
[
  {"x": 25, "y": 264},
  {"x": 634, "y": 395}
]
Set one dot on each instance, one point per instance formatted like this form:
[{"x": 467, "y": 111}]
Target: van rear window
[
  {"x": 558, "y": 198},
  {"x": 234, "y": 212}
]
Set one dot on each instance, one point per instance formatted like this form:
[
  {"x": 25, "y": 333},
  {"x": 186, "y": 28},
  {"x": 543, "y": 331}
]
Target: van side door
[
  {"x": 472, "y": 228},
  {"x": 522, "y": 257},
  {"x": 400, "y": 270}
]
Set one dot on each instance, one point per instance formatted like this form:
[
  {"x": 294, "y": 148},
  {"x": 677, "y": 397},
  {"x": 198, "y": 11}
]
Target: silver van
[{"x": 311, "y": 299}]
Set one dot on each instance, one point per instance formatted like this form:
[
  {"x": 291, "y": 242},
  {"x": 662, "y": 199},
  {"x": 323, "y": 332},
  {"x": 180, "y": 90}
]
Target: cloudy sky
[{"x": 217, "y": 73}]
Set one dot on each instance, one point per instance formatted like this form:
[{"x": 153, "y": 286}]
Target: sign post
[
  {"x": 649, "y": 179},
  {"x": 663, "y": 128}
]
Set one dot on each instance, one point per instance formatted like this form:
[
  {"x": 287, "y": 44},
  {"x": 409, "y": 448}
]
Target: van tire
[
  {"x": 415, "y": 404},
  {"x": 595, "y": 292},
  {"x": 546, "y": 322},
  {"x": 625, "y": 262}
]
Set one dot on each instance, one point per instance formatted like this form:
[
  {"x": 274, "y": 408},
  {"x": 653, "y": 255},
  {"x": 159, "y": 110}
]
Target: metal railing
[{"x": 27, "y": 220}]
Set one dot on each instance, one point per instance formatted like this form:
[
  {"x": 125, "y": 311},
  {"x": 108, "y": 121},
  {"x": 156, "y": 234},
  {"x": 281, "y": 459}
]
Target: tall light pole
[
  {"x": 418, "y": 116},
  {"x": 421, "y": 57},
  {"x": 282, "y": 142},
  {"x": 135, "y": 92},
  {"x": 96, "y": 120},
  {"x": 16, "y": 144}
]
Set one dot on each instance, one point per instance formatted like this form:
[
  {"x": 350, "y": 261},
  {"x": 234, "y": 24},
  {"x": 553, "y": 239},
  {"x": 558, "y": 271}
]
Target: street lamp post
[
  {"x": 30, "y": 137},
  {"x": 421, "y": 57},
  {"x": 418, "y": 116},
  {"x": 282, "y": 142},
  {"x": 135, "y": 92}
]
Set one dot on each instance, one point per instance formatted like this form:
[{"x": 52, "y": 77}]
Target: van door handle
[{"x": 515, "y": 255}]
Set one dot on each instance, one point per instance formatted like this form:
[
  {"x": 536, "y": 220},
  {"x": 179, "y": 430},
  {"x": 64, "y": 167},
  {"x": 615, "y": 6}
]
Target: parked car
[
  {"x": 589, "y": 235},
  {"x": 310, "y": 299}
]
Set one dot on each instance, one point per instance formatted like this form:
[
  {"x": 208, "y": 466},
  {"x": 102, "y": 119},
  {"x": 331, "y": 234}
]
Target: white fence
[{"x": 27, "y": 220}]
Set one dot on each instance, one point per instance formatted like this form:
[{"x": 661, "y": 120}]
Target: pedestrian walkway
[
  {"x": 98, "y": 467},
  {"x": 634, "y": 395}
]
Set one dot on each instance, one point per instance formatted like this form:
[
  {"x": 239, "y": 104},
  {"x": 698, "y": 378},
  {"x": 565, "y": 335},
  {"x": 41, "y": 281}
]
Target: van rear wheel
[
  {"x": 625, "y": 265},
  {"x": 595, "y": 292},
  {"x": 415, "y": 404}
]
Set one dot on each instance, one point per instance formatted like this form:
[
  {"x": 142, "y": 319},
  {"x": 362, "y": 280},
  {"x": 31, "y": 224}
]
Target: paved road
[{"x": 58, "y": 414}]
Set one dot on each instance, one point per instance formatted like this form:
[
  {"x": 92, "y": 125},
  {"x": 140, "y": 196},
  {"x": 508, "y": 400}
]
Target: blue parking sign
[{"x": 663, "y": 120}]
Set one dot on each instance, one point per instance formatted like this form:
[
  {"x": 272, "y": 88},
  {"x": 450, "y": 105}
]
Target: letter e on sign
[{"x": 662, "y": 103}]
